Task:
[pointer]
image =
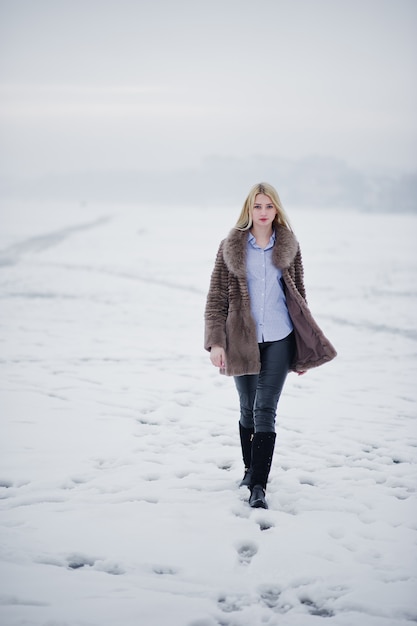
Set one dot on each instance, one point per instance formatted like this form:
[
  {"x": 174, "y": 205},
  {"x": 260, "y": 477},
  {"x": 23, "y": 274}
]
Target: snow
[{"x": 120, "y": 459}]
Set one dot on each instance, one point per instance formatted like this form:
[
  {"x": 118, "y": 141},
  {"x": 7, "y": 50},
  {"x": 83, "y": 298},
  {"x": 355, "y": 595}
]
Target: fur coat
[{"x": 228, "y": 318}]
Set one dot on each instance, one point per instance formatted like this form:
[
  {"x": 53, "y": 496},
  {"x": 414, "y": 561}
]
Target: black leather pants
[{"x": 259, "y": 393}]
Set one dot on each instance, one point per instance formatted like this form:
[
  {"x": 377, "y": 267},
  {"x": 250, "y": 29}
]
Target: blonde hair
[{"x": 244, "y": 221}]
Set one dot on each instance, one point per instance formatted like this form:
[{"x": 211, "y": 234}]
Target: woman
[{"x": 258, "y": 325}]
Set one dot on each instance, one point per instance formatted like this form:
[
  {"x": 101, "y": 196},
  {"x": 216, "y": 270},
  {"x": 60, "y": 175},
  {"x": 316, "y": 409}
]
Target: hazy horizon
[{"x": 88, "y": 86}]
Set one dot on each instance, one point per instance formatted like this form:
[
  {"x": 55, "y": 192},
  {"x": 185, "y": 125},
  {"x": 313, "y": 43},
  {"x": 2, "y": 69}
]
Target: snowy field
[{"x": 120, "y": 458}]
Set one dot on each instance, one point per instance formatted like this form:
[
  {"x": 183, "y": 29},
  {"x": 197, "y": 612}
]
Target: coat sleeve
[
  {"x": 217, "y": 305},
  {"x": 297, "y": 274}
]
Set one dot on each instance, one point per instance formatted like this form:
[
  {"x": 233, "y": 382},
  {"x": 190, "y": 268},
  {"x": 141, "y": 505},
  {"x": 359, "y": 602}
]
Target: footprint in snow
[
  {"x": 225, "y": 465},
  {"x": 270, "y": 595},
  {"x": 147, "y": 421},
  {"x": 264, "y": 524},
  {"x": 77, "y": 561},
  {"x": 229, "y": 603},
  {"x": 315, "y": 609},
  {"x": 246, "y": 551},
  {"x": 307, "y": 480},
  {"x": 6, "y": 489}
]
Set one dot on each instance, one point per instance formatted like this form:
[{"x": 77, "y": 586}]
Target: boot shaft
[
  {"x": 263, "y": 445},
  {"x": 246, "y": 435}
]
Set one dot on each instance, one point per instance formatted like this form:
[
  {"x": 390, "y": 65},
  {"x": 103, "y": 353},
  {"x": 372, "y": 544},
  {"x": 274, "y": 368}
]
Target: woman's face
[{"x": 263, "y": 212}]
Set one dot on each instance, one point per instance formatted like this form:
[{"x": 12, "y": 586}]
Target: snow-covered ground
[{"x": 120, "y": 459}]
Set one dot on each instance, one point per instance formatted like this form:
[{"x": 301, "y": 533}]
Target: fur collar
[{"x": 234, "y": 250}]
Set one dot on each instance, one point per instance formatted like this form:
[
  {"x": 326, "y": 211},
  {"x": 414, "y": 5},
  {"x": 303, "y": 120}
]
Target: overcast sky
[{"x": 115, "y": 84}]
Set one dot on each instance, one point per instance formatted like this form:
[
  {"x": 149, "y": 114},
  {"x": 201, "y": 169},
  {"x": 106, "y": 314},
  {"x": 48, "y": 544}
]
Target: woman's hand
[{"x": 217, "y": 356}]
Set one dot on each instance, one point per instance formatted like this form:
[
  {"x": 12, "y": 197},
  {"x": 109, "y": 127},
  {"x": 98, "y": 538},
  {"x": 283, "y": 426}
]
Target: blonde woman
[{"x": 258, "y": 325}]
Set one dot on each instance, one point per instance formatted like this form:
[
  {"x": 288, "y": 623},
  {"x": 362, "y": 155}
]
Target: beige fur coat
[{"x": 228, "y": 319}]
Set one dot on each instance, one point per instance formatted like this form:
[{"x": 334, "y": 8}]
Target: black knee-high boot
[
  {"x": 262, "y": 451},
  {"x": 246, "y": 435}
]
